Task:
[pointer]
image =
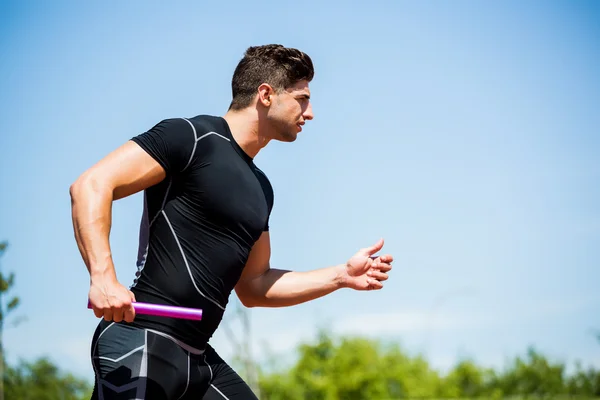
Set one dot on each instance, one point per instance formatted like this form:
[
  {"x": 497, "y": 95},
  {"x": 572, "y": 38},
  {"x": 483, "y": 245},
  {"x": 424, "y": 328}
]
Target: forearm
[
  {"x": 280, "y": 288},
  {"x": 91, "y": 207}
]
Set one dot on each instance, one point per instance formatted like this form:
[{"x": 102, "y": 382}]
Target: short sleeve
[
  {"x": 170, "y": 143},
  {"x": 268, "y": 191}
]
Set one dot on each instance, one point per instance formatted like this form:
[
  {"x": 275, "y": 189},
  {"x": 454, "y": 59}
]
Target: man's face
[{"x": 290, "y": 109}]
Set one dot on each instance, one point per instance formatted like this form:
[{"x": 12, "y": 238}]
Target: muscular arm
[
  {"x": 125, "y": 171},
  {"x": 262, "y": 286}
]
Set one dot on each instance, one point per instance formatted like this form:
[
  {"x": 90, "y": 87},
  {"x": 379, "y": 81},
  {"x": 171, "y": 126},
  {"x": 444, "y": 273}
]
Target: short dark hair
[{"x": 274, "y": 64}]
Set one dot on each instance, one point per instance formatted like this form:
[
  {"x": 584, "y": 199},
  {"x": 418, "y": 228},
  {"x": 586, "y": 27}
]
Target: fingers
[
  {"x": 378, "y": 275},
  {"x": 386, "y": 258},
  {"x": 129, "y": 314},
  {"x": 116, "y": 307},
  {"x": 98, "y": 312},
  {"x": 373, "y": 249},
  {"x": 108, "y": 314},
  {"x": 119, "y": 310},
  {"x": 373, "y": 284},
  {"x": 102, "y": 311},
  {"x": 116, "y": 313},
  {"x": 384, "y": 267},
  {"x": 382, "y": 263}
]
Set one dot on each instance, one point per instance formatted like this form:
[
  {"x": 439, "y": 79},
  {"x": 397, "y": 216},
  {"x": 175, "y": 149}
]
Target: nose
[{"x": 308, "y": 113}]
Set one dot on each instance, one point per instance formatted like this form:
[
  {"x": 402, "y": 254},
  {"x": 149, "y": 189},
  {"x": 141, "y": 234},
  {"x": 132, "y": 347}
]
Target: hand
[
  {"x": 367, "y": 272},
  {"x": 111, "y": 300}
]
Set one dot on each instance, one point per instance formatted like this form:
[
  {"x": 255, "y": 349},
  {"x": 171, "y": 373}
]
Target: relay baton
[{"x": 165, "y": 311}]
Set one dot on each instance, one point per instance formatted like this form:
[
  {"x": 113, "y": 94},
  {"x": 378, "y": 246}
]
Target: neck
[{"x": 243, "y": 125}]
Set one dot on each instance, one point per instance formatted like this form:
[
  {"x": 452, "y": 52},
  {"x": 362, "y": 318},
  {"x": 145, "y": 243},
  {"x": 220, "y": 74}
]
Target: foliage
[
  {"x": 39, "y": 380},
  {"x": 358, "y": 368},
  {"x": 355, "y": 368},
  {"x": 42, "y": 380},
  {"x": 6, "y": 283}
]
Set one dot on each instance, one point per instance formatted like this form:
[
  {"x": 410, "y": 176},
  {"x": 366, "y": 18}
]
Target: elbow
[
  {"x": 249, "y": 301},
  {"x": 249, "y": 298},
  {"x": 79, "y": 187},
  {"x": 83, "y": 186},
  {"x": 76, "y": 188}
]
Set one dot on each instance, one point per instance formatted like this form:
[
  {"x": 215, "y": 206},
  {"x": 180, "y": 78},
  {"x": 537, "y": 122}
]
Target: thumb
[
  {"x": 132, "y": 296},
  {"x": 373, "y": 249}
]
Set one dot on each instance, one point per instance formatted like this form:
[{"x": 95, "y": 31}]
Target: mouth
[{"x": 299, "y": 125}]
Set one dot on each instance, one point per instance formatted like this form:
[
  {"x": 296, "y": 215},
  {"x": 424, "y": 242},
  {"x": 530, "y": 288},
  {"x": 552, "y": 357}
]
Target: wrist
[
  {"x": 341, "y": 276},
  {"x": 102, "y": 275}
]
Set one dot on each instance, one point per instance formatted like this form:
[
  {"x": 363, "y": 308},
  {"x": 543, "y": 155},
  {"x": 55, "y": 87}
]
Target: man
[{"x": 204, "y": 233}]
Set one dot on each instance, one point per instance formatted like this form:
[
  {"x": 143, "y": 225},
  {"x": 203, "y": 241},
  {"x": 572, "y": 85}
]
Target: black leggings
[{"x": 132, "y": 363}]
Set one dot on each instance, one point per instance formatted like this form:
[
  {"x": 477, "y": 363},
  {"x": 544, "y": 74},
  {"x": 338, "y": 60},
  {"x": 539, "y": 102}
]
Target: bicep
[
  {"x": 257, "y": 264},
  {"x": 125, "y": 171}
]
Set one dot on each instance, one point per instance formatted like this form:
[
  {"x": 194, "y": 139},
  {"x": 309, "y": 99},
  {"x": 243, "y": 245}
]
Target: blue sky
[{"x": 466, "y": 134}]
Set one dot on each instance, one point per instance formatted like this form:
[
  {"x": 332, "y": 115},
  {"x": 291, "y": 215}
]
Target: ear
[{"x": 265, "y": 92}]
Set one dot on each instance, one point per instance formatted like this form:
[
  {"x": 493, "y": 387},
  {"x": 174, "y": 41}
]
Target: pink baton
[{"x": 165, "y": 311}]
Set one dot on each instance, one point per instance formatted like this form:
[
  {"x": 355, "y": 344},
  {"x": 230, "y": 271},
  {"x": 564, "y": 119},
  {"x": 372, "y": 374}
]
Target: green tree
[
  {"x": 534, "y": 375},
  {"x": 310, "y": 374},
  {"x": 351, "y": 368},
  {"x": 584, "y": 382},
  {"x": 465, "y": 380},
  {"x": 6, "y": 283},
  {"x": 42, "y": 380}
]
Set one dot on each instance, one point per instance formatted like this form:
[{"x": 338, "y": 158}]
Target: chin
[{"x": 288, "y": 137}]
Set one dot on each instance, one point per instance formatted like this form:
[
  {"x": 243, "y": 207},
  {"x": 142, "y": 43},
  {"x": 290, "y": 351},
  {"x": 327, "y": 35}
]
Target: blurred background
[{"x": 464, "y": 133}]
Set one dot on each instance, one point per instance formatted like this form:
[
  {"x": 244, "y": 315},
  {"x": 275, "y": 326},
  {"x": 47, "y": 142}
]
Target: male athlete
[{"x": 204, "y": 233}]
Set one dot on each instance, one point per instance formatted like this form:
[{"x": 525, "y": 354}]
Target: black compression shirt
[{"x": 199, "y": 224}]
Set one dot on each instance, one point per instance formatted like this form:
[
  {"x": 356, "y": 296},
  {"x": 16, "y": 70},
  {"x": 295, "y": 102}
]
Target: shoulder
[
  {"x": 183, "y": 131},
  {"x": 169, "y": 130},
  {"x": 171, "y": 142},
  {"x": 172, "y": 125},
  {"x": 266, "y": 185},
  {"x": 261, "y": 175}
]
